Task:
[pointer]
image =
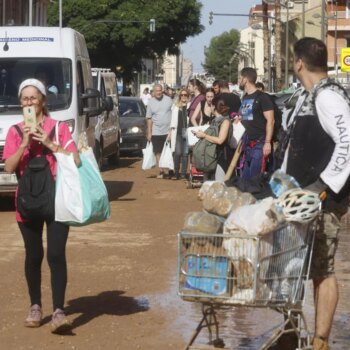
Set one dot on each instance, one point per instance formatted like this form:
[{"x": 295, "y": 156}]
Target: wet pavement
[{"x": 244, "y": 328}]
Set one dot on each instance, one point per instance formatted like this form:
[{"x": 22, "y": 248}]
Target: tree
[
  {"x": 116, "y": 44},
  {"x": 220, "y": 56}
]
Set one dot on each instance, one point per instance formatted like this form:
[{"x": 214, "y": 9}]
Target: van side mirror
[
  {"x": 108, "y": 104},
  {"x": 92, "y": 104}
]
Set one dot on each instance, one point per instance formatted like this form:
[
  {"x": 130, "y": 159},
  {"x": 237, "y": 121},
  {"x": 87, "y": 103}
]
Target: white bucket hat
[{"x": 32, "y": 82}]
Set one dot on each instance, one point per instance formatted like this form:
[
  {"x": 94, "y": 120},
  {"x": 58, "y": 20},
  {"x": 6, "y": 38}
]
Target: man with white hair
[{"x": 158, "y": 121}]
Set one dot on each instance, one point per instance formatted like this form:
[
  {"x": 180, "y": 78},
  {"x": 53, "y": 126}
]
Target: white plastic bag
[
  {"x": 166, "y": 160},
  {"x": 191, "y": 137},
  {"x": 149, "y": 159},
  {"x": 238, "y": 131},
  {"x": 81, "y": 195},
  {"x": 241, "y": 218}
]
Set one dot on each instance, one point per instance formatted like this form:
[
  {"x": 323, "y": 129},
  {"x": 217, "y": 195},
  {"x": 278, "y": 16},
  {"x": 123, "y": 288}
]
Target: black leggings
[{"x": 57, "y": 235}]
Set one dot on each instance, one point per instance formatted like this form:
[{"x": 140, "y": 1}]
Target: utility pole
[
  {"x": 323, "y": 20},
  {"x": 286, "y": 58},
  {"x": 278, "y": 36},
  {"x": 267, "y": 49},
  {"x": 30, "y": 13}
]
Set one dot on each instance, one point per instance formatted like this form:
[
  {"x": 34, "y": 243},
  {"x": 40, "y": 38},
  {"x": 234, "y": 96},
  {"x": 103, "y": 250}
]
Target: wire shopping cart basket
[{"x": 236, "y": 269}]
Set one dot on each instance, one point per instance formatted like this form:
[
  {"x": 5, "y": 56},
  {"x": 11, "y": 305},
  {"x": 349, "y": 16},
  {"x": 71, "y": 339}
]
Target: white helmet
[{"x": 300, "y": 205}]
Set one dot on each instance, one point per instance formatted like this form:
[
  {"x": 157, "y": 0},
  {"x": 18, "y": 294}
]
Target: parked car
[
  {"x": 133, "y": 124},
  {"x": 107, "y": 130},
  {"x": 281, "y": 99}
]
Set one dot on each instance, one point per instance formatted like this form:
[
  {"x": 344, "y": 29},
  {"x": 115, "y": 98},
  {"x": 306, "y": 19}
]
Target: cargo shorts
[{"x": 325, "y": 246}]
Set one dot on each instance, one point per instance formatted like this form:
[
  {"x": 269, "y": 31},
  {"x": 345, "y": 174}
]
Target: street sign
[{"x": 345, "y": 59}]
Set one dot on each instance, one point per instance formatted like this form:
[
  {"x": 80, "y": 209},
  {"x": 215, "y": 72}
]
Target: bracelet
[
  {"x": 54, "y": 150},
  {"x": 267, "y": 141}
]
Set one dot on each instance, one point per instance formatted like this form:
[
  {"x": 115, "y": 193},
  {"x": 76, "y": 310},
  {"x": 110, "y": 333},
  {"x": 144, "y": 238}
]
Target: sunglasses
[{"x": 183, "y": 95}]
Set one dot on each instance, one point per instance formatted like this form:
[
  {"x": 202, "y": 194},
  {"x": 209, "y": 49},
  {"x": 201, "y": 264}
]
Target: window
[{"x": 56, "y": 74}]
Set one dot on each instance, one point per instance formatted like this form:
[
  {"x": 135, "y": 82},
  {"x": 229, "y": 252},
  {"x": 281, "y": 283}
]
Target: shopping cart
[{"x": 235, "y": 269}]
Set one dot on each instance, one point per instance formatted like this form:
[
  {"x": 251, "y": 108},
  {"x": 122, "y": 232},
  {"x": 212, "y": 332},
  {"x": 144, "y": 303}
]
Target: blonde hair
[{"x": 178, "y": 100}]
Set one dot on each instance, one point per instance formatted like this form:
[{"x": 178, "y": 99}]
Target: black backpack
[
  {"x": 278, "y": 117},
  {"x": 36, "y": 187}
]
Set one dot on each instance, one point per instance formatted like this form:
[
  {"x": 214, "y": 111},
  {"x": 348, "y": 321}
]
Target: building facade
[
  {"x": 302, "y": 18},
  {"x": 23, "y": 12}
]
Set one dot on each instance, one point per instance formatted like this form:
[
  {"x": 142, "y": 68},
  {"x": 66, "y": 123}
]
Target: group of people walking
[{"x": 196, "y": 105}]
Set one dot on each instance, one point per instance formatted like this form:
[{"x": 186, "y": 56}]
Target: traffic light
[{"x": 211, "y": 17}]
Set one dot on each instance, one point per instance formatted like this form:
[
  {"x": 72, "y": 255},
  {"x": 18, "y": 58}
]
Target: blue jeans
[
  {"x": 181, "y": 153},
  {"x": 253, "y": 158}
]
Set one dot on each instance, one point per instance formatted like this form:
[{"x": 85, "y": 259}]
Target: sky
[{"x": 193, "y": 49}]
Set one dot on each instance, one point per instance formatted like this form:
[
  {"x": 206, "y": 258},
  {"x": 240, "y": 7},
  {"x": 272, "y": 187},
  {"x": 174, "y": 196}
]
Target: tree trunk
[
  {"x": 278, "y": 46},
  {"x": 267, "y": 49}
]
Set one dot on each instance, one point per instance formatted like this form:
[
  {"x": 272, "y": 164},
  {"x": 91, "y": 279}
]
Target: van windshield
[{"x": 56, "y": 74}]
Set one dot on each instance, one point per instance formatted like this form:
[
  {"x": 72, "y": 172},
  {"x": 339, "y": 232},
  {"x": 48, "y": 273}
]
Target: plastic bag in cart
[{"x": 255, "y": 219}]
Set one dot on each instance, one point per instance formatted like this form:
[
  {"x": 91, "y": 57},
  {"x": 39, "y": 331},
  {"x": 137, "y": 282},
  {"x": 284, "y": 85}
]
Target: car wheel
[{"x": 115, "y": 158}]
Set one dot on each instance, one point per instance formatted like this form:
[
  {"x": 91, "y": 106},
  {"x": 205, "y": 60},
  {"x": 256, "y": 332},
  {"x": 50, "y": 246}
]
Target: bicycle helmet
[{"x": 299, "y": 205}]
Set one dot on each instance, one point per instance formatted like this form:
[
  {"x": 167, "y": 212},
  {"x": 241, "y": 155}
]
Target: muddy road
[{"x": 122, "y": 279}]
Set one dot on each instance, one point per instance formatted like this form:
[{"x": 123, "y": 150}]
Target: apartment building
[{"x": 302, "y": 18}]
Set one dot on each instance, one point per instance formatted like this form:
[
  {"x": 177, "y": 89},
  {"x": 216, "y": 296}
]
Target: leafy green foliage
[
  {"x": 123, "y": 44},
  {"x": 223, "y": 50}
]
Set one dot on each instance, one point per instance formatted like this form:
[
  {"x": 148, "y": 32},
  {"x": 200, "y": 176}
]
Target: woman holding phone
[
  {"x": 223, "y": 151},
  {"x": 23, "y": 144}
]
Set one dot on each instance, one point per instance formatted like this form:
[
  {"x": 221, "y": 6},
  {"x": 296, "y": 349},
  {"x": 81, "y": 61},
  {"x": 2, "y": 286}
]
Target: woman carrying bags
[
  {"x": 24, "y": 144},
  {"x": 223, "y": 151},
  {"x": 178, "y": 131}
]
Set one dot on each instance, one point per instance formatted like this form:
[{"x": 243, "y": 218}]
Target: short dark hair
[
  {"x": 216, "y": 82},
  {"x": 250, "y": 74},
  {"x": 260, "y": 85},
  {"x": 224, "y": 84},
  {"x": 313, "y": 52}
]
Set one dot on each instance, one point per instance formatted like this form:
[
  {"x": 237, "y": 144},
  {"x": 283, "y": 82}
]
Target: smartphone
[{"x": 30, "y": 117}]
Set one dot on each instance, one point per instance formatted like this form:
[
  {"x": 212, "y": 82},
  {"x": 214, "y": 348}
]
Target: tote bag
[
  {"x": 81, "y": 195},
  {"x": 166, "y": 160}
]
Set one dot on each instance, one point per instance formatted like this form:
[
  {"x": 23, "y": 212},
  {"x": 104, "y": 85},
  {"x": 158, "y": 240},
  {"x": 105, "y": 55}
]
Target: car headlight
[{"x": 134, "y": 130}]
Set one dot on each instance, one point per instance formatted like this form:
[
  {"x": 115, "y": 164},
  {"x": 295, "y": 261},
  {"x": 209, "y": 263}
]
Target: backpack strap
[
  {"x": 19, "y": 131},
  {"x": 51, "y": 135}
]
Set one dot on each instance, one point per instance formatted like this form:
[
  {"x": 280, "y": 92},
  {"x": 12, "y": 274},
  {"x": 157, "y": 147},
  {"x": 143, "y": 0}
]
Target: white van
[
  {"x": 107, "y": 132},
  {"x": 60, "y": 57}
]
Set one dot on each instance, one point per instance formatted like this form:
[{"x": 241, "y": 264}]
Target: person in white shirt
[
  {"x": 317, "y": 154},
  {"x": 145, "y": 96}
]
